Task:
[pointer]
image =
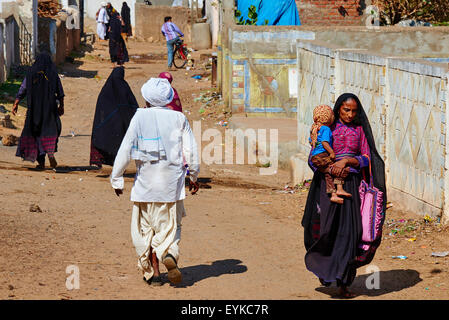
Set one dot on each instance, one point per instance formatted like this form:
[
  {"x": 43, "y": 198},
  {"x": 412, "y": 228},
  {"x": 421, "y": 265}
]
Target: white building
[{"x": 91, "y": 7}]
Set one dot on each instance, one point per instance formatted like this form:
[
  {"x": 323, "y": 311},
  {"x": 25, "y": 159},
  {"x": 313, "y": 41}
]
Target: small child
[{"x": 322, "y": 153}]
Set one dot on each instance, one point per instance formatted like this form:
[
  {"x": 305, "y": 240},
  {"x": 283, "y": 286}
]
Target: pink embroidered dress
[{"x": 350, "y": 141}]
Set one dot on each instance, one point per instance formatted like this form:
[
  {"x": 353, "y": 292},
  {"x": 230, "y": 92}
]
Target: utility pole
[
  {"x": 81, "y": 8},
  {"x": 35, "y": 27}
]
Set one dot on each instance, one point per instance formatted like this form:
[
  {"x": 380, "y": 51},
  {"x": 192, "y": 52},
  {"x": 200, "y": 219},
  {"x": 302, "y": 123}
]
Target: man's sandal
[{"x": 174, "y": 274}]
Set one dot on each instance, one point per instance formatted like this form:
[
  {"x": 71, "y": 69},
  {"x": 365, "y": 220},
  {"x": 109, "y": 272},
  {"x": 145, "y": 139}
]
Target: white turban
[
  {"x": 103, "y": 4},
  {"x": 157, "y": 92}
]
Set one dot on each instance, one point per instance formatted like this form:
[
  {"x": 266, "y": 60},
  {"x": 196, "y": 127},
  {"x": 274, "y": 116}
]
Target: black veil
[{"x": 115, "y": 108}]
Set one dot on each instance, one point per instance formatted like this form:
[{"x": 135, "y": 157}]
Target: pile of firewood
[{"x": 48, "y": 8}]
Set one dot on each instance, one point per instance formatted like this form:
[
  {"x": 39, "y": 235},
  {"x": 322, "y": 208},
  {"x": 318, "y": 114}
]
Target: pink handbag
[{"x": 371, "y": 210}]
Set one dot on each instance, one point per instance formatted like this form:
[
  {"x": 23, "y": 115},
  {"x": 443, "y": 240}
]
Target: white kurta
[
  {"x": 102, "y": 19},
  {"x": 159, "y": 185},
  {"x": 162, "y": 180}
]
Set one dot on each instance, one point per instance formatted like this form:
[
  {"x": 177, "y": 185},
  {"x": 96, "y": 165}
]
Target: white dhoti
[
  {"x": 156, "y": 225},
  {"x": 101, "y": 30}
]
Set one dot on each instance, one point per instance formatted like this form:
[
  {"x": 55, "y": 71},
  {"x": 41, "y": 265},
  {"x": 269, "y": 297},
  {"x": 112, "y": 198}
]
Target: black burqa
[
  {"x": 42, "y": 124},
  {"x": 116, "y": 106},
  {"x": 117, "y": 46},
  {"x": 332, "y": 232},
  {"x": 126, "y": 16}
]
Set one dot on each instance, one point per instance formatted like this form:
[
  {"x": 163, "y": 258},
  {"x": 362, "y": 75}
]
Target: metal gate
[{"x": 25, "y": 45}]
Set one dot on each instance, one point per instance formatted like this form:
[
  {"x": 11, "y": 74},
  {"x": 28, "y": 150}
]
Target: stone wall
[
  {"x": 256, "y": 62},
  {"x": 56, "y": 38},
  {"x": 406, "y": 102},
  {"x": 149, "y": 21}
]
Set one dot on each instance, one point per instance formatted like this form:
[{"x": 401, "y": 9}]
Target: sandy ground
[{"x": 242, "y": 237}]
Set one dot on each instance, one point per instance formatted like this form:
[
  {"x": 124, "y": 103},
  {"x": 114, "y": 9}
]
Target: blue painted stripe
[
  {"x": 246, "y": 85},
  {"x": 238, "y": 62},
  {"x": 275, "y": 61}
]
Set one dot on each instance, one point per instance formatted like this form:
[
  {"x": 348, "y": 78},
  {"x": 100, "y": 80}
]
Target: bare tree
[{"x": 393, "y": 11}]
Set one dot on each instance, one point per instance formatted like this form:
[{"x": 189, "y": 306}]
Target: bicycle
[{"x": 180, "y": 54}]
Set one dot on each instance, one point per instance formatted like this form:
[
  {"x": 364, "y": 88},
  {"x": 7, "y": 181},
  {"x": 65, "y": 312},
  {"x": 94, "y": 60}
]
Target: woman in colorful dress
[
  {"x": 176, "y": 102},
  {"x": 332, "y": 232},
  {"x": 45, "y": 101}
]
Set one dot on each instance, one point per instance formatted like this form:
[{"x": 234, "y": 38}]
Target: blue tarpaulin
[{"x": 276, "y": 12}]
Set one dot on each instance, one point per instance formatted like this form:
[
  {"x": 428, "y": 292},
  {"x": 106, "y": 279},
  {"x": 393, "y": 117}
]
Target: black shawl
[
  {"x": 116, "y": 106},
  {"x": 43, "y": 89},
  {"x": 42, "y": 124}
]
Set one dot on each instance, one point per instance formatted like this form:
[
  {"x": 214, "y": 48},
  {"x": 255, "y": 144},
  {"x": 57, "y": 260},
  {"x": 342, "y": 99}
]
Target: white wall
[{"x": 91, "y": 7}]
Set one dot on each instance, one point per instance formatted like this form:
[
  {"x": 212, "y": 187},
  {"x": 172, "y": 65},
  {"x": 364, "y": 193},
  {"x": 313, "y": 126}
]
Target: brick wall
[{"x": 331, "y": 12}]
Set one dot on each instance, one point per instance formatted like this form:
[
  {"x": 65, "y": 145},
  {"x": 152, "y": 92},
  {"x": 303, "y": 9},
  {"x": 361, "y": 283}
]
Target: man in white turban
[
  {"x": 157, "y": 139},
  {"x": 102, "y": 21}
]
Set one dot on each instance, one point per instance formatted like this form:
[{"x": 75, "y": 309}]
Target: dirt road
[{"x": 241, "y": 239}]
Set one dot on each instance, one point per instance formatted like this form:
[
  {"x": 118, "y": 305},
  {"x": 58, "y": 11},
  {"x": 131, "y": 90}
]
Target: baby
[{"x": 322, "y": 153}]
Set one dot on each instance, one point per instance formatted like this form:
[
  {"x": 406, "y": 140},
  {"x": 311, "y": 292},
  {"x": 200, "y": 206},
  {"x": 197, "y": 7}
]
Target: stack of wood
[{"x": 48, "y": 8}]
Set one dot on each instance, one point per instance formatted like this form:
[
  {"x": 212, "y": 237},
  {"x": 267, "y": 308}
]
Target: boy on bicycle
[{"x": 171, "y": 33}]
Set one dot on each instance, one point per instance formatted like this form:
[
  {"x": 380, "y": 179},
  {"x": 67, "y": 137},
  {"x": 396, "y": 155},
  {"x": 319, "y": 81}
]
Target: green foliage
[{"x": 252, "y": 15}]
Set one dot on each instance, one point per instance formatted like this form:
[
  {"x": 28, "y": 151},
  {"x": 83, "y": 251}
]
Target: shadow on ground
[
  {"x": 71, "y": 67},
  {"x": 197, "y": 273},
  {"x": 67, "y": 169},
  {"x": 389, "y": 281}
]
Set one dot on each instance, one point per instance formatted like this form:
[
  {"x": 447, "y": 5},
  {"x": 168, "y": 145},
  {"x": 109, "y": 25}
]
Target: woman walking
[
  {"x": 125, "y": 13},
  {"x": 42, "y": 128},
  {"x": 116, "y": 106},
  {"x": 117, "y": 46},
  {"x": 332, "y": 232}
]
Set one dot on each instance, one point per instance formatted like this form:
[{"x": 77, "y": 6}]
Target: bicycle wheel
[{"x": 178, "y": 60}]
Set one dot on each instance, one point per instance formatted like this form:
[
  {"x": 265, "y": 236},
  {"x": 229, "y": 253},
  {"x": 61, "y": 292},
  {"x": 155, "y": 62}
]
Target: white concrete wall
[
  {"x": 91, "y": 7},
  {"x": 406, "y": 102},
  {"x": 212, "y": 14}
]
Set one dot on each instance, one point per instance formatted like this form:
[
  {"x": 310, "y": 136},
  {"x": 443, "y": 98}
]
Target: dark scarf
[
  {"x": 42, "y": 84},
  {"x": 116, "y": 106},
  {"x": 125, "y": 13},
  {"x": 42, "y": 124}
]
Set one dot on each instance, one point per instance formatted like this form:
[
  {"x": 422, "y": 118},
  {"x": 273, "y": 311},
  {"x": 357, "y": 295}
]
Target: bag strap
[{"x": 370, "y": 173}]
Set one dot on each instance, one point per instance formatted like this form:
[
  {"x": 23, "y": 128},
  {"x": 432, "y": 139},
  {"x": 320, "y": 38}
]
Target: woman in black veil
[
  {"x": 332, "y": 232},
  {"x": 45, "y": 102},
  {"x": 115, "y": 108},
  {"x": 126, "y": 17},
  {"x": 117, "y": 46}
]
